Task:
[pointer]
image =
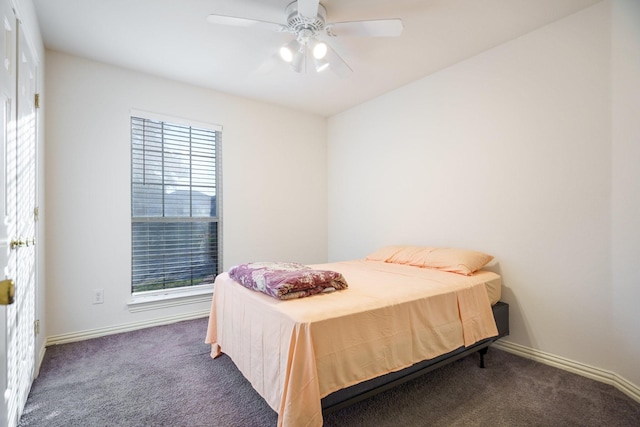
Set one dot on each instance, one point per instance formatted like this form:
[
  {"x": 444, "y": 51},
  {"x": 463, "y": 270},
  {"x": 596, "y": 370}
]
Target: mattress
[
  {"x": 492, "y": 282},
  {"x": 296, "y": 352}
]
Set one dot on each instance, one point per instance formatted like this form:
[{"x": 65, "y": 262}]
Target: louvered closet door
[
  {"x": 7, "y": 140},
  {"x": 20, "y": 203}
]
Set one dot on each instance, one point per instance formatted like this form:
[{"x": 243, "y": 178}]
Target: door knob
[
  {"x": 19, "y": 243},
  {"x": 16, "y": 244},
  {"x": 7, "y": 292}
]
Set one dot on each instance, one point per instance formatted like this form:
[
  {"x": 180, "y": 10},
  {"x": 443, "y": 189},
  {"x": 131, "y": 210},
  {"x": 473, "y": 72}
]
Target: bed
[{"x": 310, "y": 356}]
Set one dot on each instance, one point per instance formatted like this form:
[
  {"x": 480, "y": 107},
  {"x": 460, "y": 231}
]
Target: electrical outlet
[{"x": 98, "y": 296}]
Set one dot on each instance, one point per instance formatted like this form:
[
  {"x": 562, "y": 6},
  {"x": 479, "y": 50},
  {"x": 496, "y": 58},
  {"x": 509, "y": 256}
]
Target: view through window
[{"x": 174, "y": 199}]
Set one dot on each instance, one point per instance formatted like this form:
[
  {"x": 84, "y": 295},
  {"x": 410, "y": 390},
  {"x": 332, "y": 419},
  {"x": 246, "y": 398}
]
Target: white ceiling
[{"x": 172, "y": 39}]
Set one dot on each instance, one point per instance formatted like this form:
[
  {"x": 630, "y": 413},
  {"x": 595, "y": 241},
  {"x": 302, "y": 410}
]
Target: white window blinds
[{"x": 174, "y": 220}]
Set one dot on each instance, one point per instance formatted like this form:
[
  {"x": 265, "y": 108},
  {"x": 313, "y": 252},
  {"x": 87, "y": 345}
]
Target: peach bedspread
[{"x": 296, "y": 352}]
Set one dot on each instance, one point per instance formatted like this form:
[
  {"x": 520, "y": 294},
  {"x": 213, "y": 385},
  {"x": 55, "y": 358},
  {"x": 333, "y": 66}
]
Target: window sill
[{"x": 154, "y": 300}]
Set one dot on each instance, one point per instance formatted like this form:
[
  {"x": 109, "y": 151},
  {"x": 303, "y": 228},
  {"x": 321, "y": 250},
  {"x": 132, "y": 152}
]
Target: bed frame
[{"x": 350, "y": 395}]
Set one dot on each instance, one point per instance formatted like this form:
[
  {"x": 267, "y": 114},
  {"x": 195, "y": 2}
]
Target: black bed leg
[{"x": 482, "y": 352}]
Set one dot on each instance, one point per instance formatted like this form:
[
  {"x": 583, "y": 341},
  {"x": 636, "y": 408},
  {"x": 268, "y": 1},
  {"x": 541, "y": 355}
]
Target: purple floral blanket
[{"x": 285, "y": 280}]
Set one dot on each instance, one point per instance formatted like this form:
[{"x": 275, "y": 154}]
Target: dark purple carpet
[{"x": 163, "y": 376}]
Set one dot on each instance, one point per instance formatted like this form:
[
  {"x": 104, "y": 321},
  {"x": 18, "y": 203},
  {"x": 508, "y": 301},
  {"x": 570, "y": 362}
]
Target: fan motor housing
[{"x": 296, "y": 23}]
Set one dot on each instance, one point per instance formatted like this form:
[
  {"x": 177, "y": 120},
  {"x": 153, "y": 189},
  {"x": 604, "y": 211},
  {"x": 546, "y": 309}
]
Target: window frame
[{"x": 149, "y": 299}]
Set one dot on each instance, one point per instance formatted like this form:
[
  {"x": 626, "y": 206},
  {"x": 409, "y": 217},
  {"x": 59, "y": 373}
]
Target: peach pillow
[
  {"x": 461, "y": 261},
  {"x": 411, "y": 255},
  {"x": 385, "y": 253}
]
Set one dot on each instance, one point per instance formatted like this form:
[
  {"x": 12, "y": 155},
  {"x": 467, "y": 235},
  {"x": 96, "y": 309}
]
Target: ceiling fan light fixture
[
  {"x": 288, "y": 51},
  {"x": 299, "y": 59},
  {"x": 319, "y": 50},
  {"x": 286, "y": 54}
]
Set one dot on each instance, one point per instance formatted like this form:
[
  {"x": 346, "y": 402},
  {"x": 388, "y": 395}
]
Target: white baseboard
[
  {"x": 604, "y": 376},
  {"x": 100, "y": 332}
]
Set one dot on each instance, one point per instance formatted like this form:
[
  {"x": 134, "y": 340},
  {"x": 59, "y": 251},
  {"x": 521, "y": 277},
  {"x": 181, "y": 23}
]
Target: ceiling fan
[{"x": 313, "y": 36}]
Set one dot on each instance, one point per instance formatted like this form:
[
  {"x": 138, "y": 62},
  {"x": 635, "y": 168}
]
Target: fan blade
[
  {"x": 308, "y": 8},
  {"x": 245, "y": 22},
  {"x": 373, "y": 28},
  {"x": 336, "y": 64}
]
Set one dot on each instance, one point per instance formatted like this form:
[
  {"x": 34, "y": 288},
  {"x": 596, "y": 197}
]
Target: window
[{"x": 175, "y": 221}]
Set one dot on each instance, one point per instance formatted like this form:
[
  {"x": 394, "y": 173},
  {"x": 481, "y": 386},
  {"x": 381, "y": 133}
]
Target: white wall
[
  {"x": 626, "y": 187},
  {"x": 510, "y": 152},
  {"x": 274, "y": 185}
]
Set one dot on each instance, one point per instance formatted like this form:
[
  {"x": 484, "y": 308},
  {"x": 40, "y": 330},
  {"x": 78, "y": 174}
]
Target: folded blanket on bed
[{"x": 285, "y": 280}]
